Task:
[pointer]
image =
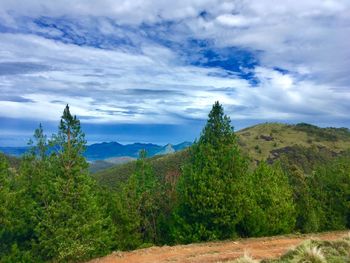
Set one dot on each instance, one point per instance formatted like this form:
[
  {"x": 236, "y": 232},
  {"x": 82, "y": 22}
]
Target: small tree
[
  {"x": 331, "y": 189},
  {"x": 5, "y": 199},
  {"x": 141, "y": 198},
  {"x": 270, "y": 209},
  {"x": 18, "y": 215},
  {"x": 210, "y": 190},
  {"x": 308, "y": 213}
]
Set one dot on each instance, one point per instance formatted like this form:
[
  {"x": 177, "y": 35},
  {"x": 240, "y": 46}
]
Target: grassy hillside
[
  {"x": 163, "y": 165},
  {"x": 100, "y": 165},
  {"x": 264, "y": 141},
  {"x": 304, "y": 145}
]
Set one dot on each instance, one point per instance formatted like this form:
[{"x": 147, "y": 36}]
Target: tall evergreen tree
[
  {"x": 210, "y": 191},
  {"x": 73, "y": 224}
]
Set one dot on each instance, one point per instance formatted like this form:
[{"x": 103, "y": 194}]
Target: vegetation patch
[{"x": 317, "y": 251}]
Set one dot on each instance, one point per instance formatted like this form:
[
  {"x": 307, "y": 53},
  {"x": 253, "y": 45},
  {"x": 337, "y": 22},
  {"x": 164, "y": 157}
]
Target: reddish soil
[{"x": 258, "y": 248}]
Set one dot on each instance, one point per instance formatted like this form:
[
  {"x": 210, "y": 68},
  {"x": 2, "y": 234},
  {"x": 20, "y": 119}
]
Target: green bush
[
  {"x": 270, "y": 208},
  {"x": 330, "y": 186}
]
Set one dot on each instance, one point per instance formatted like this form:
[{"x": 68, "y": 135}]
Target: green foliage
[
  {"x": 53, "y": 211},
  {"x": 331, "y": 189},
  {"x": 73, "y": 225},
  {"x": 306, "y": 158},
  {"x": 5, "y": 189},
  {"x": 201, "y": 197},
  {"x": 257, "y": 148},
  {"x": 270, "y": 209},
  {"x": 304, "y": 166},
  {"x": 308, "y": 212},
  {"x": 13, "y": 162},
  {"x": 17, "y": 255},
  {"x": 17, "y": 215},
  {"x": 210, "y": 192},
  {"x": 164, "y": 167},
  {"x": 329, "y": 134},
  {"x": 140, "y": 199}
]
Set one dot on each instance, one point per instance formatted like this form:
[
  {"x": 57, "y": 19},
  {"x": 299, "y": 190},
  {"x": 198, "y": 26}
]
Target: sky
[{"x": 149, "y": 71}]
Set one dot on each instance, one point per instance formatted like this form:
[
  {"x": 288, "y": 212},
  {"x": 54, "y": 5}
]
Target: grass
[
  {"x": 317, "y": 251},
  {"x": 308, "y": 252},
  {"x": 283, "y": 135},
  {"x": 245, "y": 259}
]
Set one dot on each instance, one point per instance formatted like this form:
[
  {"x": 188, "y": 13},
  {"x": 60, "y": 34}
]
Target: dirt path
[{"x": 258, "y": 248}]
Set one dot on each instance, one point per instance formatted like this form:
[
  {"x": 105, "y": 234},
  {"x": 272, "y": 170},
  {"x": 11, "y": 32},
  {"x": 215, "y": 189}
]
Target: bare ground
[{"x": 258, "y": 248}]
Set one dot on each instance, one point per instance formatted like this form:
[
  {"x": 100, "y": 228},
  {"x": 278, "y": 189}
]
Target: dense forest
[{"x": 53, "y": 210}]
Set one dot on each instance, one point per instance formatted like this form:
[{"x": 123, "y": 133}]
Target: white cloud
[
  {"x": 309, "y": 39},
  {"x": 90, "y": 78},
  {"x": 310, "y": 35},
  {"x": 235, "y": 20}
]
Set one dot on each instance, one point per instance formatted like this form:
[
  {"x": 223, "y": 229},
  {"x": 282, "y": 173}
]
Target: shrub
[
  {"x": 317, "y": 251},
  {"x": 270, "y": 209},
  {"x": 308, "y": 252}
]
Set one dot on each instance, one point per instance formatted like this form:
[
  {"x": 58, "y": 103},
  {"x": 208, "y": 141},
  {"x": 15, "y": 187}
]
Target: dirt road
[{"x": 258, "y": 248}]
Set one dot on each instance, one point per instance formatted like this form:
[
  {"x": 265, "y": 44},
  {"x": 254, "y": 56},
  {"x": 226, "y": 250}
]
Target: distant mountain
[
  {"x": 14, "y": 151},
  {"x": 169, "y": 148},
  {"x": 101, "y": 151},
  {"x": 181, "y": 146},
  {"x": 166, "y": 150},
  {"x": 106, "y": 150}
]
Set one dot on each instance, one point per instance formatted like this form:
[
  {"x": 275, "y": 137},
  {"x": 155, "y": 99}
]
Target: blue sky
[{"x": 149, "y": 71}]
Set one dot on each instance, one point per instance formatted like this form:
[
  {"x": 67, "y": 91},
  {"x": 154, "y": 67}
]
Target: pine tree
[
  {"x": 73, "y": 223},
  {"x": 210, "y": 190}
]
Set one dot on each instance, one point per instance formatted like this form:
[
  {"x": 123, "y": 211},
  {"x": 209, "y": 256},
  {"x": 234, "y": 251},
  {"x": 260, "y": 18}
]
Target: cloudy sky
[{"x": 149, "y": 71}]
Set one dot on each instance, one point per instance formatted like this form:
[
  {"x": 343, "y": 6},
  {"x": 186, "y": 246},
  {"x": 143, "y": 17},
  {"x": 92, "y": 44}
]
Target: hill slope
[
  {"x": 264, "y": 141},
  {"x": 164, "y": 166},
  {"x": 302, "y": 144}
]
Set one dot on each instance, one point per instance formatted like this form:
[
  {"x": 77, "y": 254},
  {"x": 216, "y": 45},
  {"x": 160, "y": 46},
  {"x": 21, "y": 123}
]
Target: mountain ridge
[{"x": 113, "y": 149}]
